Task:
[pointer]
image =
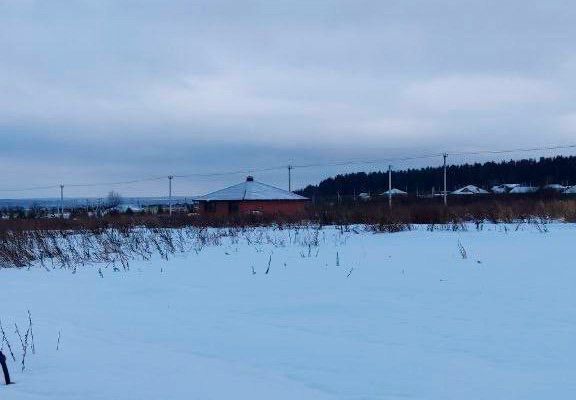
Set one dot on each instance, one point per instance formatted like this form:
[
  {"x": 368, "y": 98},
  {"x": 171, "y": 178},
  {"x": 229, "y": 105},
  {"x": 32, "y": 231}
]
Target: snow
[
  {"x": 359, "y": 316},
  {"x": 250, "y": 190}
]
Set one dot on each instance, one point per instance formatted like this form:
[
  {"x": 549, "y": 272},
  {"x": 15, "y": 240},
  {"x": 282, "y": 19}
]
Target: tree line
[{"x": 530, "y": 172}]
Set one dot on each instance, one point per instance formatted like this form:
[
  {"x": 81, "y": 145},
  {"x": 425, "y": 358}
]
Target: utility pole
[
  {"x": 290, "y": 178},
  {"x": 170, "y": 177},
  {"x": 445, "y": 182},
  {"x": 61, "y": 201},
  {"x": 389, "y": 186}
]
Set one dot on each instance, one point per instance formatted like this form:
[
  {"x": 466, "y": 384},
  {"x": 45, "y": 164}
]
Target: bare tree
[{"x": 114, "y": 199}]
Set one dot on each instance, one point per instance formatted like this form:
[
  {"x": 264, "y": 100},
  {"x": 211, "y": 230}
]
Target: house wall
[
  {"x": 271, "y": 207},
  {"x": 289, "y": 208},
  {"x": 218, "y": 208}
]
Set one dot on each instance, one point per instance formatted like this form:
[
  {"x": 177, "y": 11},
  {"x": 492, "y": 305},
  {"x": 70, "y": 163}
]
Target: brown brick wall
[{"x": 272, "y": 207}]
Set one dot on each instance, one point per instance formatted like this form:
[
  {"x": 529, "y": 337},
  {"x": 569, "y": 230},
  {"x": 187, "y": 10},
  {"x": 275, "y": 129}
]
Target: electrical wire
[
  {"x": 298, "y": 166},
  {"x": 82, "y": 185}
]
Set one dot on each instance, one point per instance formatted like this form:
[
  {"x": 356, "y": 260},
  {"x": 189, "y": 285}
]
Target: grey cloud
[{"x": 117, "y": 88}]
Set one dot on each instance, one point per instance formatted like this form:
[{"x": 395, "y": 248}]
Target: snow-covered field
[{"x": 357, "y": 316}]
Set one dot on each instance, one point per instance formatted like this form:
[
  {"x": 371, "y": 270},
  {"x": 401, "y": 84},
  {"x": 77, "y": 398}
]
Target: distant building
[
  {"x": 364, "y": 196},
  {"x": 469, "y": 191},
  {"x": 524, "y": 190},
  {"x": 554, "y": 187},
  {"x": 252, "y": 198},
  {"x": 394, "y": 192},
  {"x": 180, "y": 209},
  {"x": 127, "y": 208},
  {"x": 504, "y": 188}
]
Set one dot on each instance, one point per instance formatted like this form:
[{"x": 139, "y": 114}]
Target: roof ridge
[
  {"x": 273, "y": 187},
  {"x": 223, "y": 189},
  {"x": 245, "y": 187},
  {"x": 251, "y": 190}
]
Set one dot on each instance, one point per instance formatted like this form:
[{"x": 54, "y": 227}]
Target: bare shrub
[{"x": 117, "y": 240}]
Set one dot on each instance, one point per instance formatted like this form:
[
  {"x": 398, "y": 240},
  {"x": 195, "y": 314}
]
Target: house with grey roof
[
  {"x": 252, "y": 198},
  {"x": 469, "y": 190}
]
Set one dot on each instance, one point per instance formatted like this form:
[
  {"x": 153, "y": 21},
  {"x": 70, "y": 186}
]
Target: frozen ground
[{"x": 403, "y": 316}]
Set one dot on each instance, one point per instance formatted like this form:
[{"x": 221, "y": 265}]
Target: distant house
[
  {"x": 394, "y": 192},
  {"x": 364, "y": 196},
  {"x": 554, "y": 187},
  {"x": 251, "y": 197},
  {"x": 127, "y": 208},
  {"x": 504, "y": 188},
  {"x": 524, "y": 190},
  {"x": 180, "y": 209},
  {"x": 469, "y": 190}
]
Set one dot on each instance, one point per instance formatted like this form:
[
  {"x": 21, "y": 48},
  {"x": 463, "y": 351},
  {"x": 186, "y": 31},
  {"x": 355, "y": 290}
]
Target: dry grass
[
  {"x": 434, "y": 212},
  {"x": 117, "y": 240}
]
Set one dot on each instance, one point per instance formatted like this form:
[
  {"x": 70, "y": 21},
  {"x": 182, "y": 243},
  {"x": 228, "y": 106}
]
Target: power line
[
  {"x": 520, "y": 150},
  {"x": 227, "y": 173},
  {"x": 32, "y": 188},
  {"x": 157, "y": 178},
  {"x": 299, "y": 166},
  {"x": 431, "y": 155},
  {"x": 365, "y": 162}
]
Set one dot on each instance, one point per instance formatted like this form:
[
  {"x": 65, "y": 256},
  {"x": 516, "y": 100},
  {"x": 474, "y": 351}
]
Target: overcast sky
[{"x": 101, "y": 90}]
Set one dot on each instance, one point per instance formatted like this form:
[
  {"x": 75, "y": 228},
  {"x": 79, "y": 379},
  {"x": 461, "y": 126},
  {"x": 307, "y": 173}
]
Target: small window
[
  {"x": 233, "y": 207},
  {"x": 210, "y": 206}
]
